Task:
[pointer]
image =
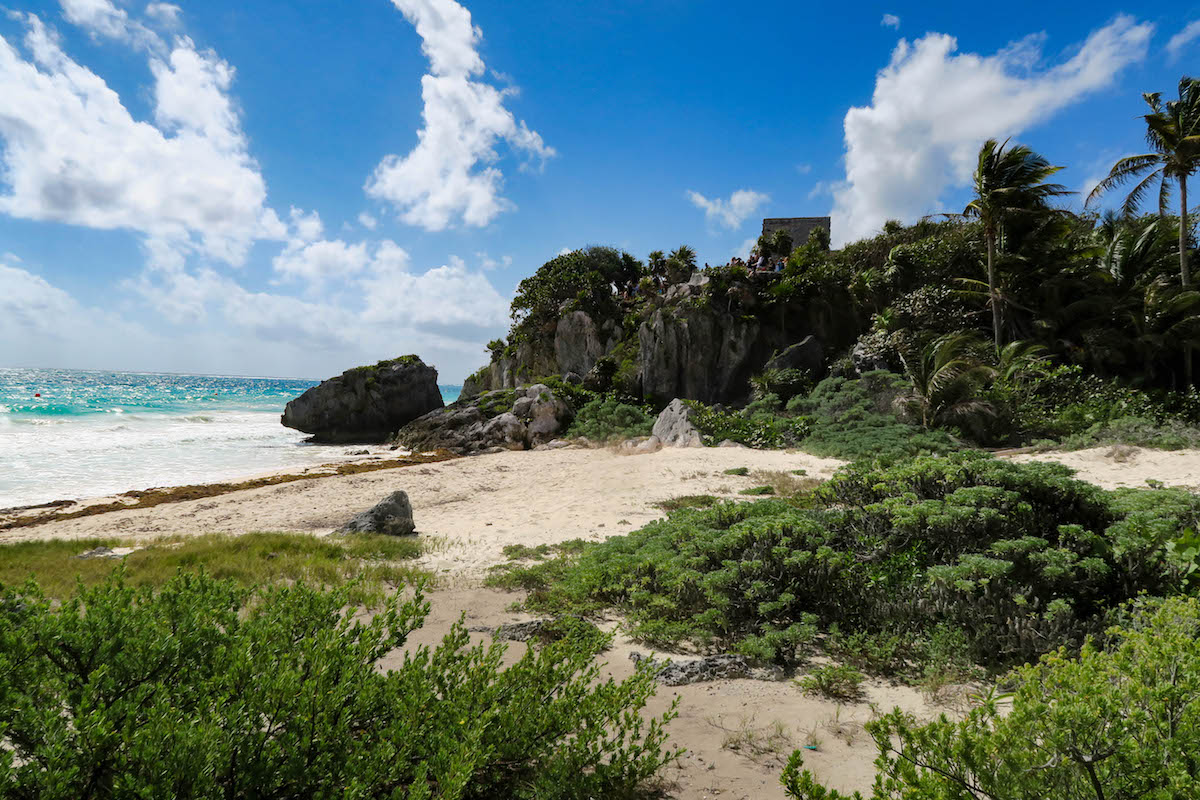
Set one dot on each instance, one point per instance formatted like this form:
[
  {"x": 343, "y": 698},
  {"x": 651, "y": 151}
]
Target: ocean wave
[{"x": 198, "y": 418}]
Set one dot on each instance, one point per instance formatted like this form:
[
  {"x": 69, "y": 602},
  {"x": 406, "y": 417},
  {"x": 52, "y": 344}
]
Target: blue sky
[{"x": 291, "y": 188}]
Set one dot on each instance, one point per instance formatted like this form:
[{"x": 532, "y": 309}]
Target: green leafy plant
[
  {"x": 204, "y": 690},
  {"x": 1111, "y": 723},
  {"x": 834, "y": 682},
  {"x": 608, "y": 419}
]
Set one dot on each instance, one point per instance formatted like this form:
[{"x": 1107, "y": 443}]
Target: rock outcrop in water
[
  {"x": 504, "y": 419},
  {"x": 366, "y": 404}
]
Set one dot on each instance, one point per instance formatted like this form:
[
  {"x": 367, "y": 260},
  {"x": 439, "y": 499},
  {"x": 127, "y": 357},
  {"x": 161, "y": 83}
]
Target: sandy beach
[{"x": 468, "y": 509}]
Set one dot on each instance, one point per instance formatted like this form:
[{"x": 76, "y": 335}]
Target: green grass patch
[
  {"x": 757, "y": 491},
  {"x": 378, "y": 562},
  {"x": 737, "y": 471}
]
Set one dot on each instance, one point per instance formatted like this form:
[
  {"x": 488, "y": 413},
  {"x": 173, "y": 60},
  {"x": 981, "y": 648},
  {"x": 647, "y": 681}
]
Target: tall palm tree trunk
[
  {"x": 1185, "y": 273},
  {"x": 991, "y": 268}
]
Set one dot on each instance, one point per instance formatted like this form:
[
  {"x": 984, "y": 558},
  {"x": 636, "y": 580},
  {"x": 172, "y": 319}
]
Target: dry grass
[
  {"x": 52, "y": 512},
  {"x": 378, "y": 563},
  {"x": 772, "y": 742},
  {"x": 784, "y": 484}
]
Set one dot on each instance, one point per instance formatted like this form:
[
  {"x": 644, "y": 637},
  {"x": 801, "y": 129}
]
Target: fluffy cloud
[
  {"x": 729, "y": 213},
  {"x": 74, "y": 154},
  {"x": 184, "y": 183},
  {"x": 1182, "y": 39},
  {"x": 890, "y": 21},
  {"x": 164, "y": 14},
  {"x": 451, "y": 173},
  {"x": 933, "y": 107},
  {"x": 367, "y": 221}
]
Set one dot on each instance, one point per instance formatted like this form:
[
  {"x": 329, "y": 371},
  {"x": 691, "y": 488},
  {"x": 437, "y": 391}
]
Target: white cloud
[
  {"x": 933, "y": 107},
  {"x": 804, "y": 169},
  {"x": 74, "y": 154},
  {"x": 566, "y": 251},
  {"x": 451, "y": 173},
  {"x": 1182, "y": 39},
  {"x": 729, "y": 213},
  {"x": 487, "y": 263},
  {"x": 367, "y": 221},
  {"x": 890, "y": 21},
  {"x": 184, "y": 183},
  {"x": 317, "y": 262},
  {"x": 165, "y": 14},
  {"x": 306, "y": 227}
]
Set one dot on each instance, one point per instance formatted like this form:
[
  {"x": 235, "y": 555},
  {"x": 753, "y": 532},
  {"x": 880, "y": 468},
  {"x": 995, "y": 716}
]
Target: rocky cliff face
[
  {"x": 366, "y": 404},
  {"x": 683, "y": 347}
]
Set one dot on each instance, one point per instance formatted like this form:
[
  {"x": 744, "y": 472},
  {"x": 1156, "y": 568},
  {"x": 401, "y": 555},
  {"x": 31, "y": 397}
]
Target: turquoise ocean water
[{"x": 97, "y": 433}]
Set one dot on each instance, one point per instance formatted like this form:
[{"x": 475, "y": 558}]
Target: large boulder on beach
[
  {"x": 674, "y": 426},
  {"x": 366, "y": 404},
  {"x": 512, "y": 419},
  {"x": 391, "y": 516}
]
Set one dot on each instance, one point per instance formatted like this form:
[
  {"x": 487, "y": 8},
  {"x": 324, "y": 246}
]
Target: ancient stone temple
[{"x": 797, "y": 227}]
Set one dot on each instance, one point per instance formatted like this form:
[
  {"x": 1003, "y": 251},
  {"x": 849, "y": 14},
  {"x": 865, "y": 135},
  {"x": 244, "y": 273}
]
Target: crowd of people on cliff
[{"x": 757, "y": 264}]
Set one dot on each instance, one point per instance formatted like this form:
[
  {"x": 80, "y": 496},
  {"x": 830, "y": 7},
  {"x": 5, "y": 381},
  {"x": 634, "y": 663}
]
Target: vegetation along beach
[{"x": 876, "y": 477}]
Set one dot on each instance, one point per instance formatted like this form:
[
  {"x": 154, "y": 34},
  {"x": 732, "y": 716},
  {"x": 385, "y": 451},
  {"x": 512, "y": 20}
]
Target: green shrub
[
  {"x": 1117, "y": 723},
  {"x": 204, "y": 690},
  {"x": 857, "y": 419},
  {"x": 1020, "y": 558},
  {"x": 763, "y": 429},
  {"x": 607, "y": 419},
  {"x": 758, "y": 490},
  {"x": 739, "y": 471},
  {"x": 834, "y": 682}
]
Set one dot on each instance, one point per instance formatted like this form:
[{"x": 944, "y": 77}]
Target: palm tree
[
  {"x": 1009, "y": 183},
  {"x": 681, "y": 264},
  {"x": 1173, "y": 133},
  {"x": 946, "y": 375}
]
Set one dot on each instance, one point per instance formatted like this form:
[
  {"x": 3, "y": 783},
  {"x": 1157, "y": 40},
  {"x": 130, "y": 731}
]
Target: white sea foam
[{"x": 77, "y": 457}]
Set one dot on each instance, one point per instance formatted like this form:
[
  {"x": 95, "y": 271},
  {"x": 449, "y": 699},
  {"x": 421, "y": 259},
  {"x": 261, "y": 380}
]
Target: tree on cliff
[{"x": 584, "y": 280}]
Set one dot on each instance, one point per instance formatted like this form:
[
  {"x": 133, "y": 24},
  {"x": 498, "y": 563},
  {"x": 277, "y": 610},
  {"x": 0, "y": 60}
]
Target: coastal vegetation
[
  {"x": 375, "y": 564},
  {"x": 930, "y": 564},
  {"x": 202, "y": 689},
  {"x": 1115, "y": 721}
]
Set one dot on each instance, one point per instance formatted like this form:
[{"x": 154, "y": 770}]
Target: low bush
[
  {"x": 739, "y": 471},
  {"x": 608, "y": 419},
  {"x": 759, "y": 428},
  {"x": 834, "y": 682},
  {"x": 1020, "y": 558},
  {"x": 855, "y": 419},
  {"x": 1117, "y": 723},
  {"x": 205, "y": 690}
]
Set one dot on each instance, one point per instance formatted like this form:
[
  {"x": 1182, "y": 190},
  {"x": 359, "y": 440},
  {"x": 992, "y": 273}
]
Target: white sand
[
  {"x": 1113, "y": 467},
  {"x": 467, "y": 509}
]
